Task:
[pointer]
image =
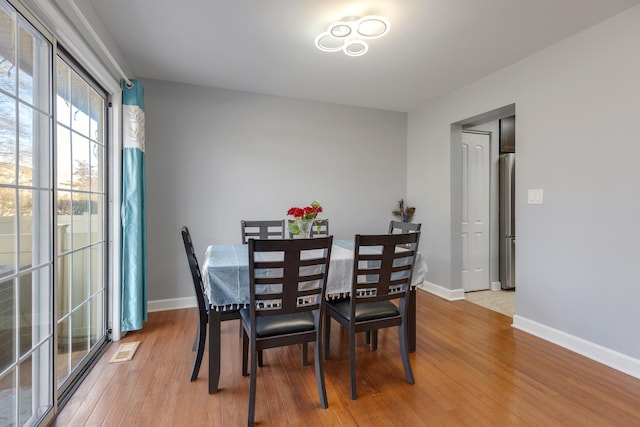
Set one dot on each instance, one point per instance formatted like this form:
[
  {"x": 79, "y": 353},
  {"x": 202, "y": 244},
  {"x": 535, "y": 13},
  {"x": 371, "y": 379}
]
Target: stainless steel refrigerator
[{"x": 507, "y": 172}]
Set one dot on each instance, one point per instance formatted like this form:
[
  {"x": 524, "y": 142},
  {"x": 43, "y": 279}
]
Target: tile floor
[{"x": 502, "y": 301}]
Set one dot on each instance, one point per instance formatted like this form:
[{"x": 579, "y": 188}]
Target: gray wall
[
  {"x": 577, "y": 106},
  {"x": 216, "y": 156}
]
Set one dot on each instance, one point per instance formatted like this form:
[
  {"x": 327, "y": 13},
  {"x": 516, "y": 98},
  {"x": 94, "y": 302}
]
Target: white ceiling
[{"x": 267, "y": 46}]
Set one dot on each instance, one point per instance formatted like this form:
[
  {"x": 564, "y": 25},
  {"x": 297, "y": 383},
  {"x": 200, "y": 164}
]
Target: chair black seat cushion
[
  {"x": 367, "y": 310},
  {"x": 267, "y": 326}
]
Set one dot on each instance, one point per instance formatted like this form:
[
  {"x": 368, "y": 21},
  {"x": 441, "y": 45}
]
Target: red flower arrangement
[
  {"x": 308, "y": 212},
  {"x": 303, "y": 218}
]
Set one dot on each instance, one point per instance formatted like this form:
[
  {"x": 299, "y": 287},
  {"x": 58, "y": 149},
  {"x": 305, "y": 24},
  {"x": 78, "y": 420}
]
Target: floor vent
[{"x": 125, "y": 352}]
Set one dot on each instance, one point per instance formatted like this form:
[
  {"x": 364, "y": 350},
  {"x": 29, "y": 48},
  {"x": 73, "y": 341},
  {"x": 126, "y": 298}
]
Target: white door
[{"x": 475, "y": 211}]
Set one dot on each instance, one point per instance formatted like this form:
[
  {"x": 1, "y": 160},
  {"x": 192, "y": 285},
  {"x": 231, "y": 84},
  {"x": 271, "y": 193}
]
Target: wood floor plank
[{"x": 471, "y": 369}]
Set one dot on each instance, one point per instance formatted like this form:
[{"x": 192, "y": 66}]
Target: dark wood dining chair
[
  {"x": 203, "y": 302},
  {"x": 382, "y": 271},
  {"x": 403, "y": 227},
  {"x": 269, "y": 229},
  {"x": 287, "y": 282}
]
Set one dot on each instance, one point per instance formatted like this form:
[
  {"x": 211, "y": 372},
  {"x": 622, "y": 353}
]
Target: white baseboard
[
  {"x": 448, "y": 294},
  {"x": 171, "y": 304},
  {"x": 608, "y": 357},
  {"x": 496, "y": 286}
]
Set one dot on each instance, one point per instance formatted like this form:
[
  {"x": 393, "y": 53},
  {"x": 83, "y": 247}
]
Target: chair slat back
[
  {"x": 320, "y": 227},
  {"x": 383, "y": 266},
  {"x": 196, "y": 274},
  {"x": 403, "y": 227},
  {"x": 288, "y": 276},
  {"x": 262, "y": 229}
]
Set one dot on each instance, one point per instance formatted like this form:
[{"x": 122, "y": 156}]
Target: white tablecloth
[{"x": 226, "y": 273}]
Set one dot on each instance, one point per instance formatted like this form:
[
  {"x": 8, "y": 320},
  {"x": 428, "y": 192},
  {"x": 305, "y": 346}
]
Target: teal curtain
[{"x": 133, "y": 211}]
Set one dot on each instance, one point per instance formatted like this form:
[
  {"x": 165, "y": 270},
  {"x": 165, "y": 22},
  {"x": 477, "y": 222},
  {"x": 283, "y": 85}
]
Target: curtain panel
[{"x": 133, "y": 211}]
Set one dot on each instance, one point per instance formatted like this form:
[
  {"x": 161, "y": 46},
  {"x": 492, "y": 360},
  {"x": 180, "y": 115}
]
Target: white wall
[
  {"x": 216, "y": 156},
  {"x": 577, "y": 107}
]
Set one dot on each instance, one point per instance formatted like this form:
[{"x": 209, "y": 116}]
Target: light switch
[{"x": 535, "y": 196}]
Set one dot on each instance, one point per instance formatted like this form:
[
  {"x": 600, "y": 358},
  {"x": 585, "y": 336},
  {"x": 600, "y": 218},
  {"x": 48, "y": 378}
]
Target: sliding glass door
[
  {"x": 26, "y": 217},
  {"x": 80, "y": 225},
  {"x": 53, "y": 233}
]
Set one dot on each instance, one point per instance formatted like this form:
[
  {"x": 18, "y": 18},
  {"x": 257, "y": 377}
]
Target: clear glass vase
[{"x": 304, "y": 226}]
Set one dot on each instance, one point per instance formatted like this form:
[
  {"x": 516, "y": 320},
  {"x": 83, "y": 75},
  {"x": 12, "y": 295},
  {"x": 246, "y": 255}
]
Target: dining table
[{"x": 225, "y": 273}]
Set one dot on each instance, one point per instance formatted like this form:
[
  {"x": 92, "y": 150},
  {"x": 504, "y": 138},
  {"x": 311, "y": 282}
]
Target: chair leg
[
  {"x": 404, "y": 351},
  {"x": 260, "y": 360},
  {"x": 367, "y": 337},
  {"x": 305, "y": 351},
  {"x": 252, "y": 383},
  {"x": 327, "y": 335},
  {"x": 245, "y": 353},
  {"x": 202, "y": 336},
  {"x": 317, "y": 359},
  {"x": 374, "y": 340},
  {"x": 195, "y": 341},
  {"x": 352, "y": 362}
]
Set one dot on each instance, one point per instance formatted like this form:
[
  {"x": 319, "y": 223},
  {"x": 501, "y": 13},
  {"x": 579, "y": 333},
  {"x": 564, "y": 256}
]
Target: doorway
[{"x": 488, "y": 126}]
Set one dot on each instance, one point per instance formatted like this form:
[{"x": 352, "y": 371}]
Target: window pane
[
  {"x": 80, "y": 219},
  {"x": 25, "y": 296},
  {"x": 8, "y": 241},
  {"x": 8, "y": 49},
  {"x": 97, "y": 279},
  {"x": 25, "y": 73},
  {"x": 63, "y": 361},
  {"x": 33, "y": 151},
  {"x": 97, "y": 218},
  {"x": 79, "y": 104},
  {"x": 25, "y": 200},
  {"x": 97, "y": 167},
  {"x": 25, "y": 146},
  {"x": 97, "y": 117},
  {"x": 42, "y": 376},
  {"x": 63, "y": 157},
  {"x": 8, "y": 398},
  {"x": 7, "y": 140},
  {"x": 42, "y": 151},
  {"x": 63, "y": 227},
  {"x": 34, "y": 57},
  {"x": 7, "y": 324},
  {"x": 79, "y": 277},
  {"x": 63, "y": 296},
  {"x": 97, "y": 318},
  {"x": 35, "y": 227},
  {"x": 63, "y": 100},
  {"x": 80, "y": 166},
  {"x": 25, "y": 391},
  {"x": 80, "y": 337},
  {"x": 42, "y": 303}
]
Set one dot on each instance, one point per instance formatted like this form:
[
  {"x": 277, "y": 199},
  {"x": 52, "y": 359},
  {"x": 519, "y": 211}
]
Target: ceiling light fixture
[{"x": 348, "y": 34}]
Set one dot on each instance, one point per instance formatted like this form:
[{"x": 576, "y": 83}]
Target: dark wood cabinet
[{"x": 508, "y": 135}]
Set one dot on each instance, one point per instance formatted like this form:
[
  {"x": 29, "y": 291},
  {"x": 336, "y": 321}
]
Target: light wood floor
[{"x": 471, "y": 367}]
